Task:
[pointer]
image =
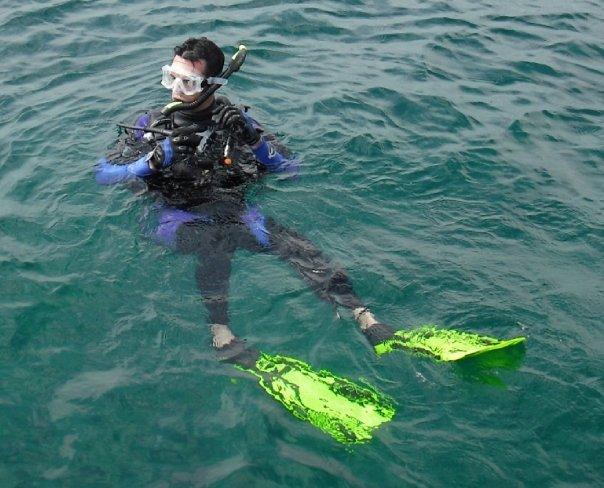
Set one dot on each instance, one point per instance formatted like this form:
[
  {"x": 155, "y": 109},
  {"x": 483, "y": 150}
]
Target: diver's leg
[
  {"x": 329, "y": 282},
  {"x": 215, "y": 246},
  {"x": 212, "y": 275},
  {"x": 191, "y": 233}
]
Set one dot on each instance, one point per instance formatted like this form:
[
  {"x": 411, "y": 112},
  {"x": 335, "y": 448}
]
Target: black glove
[
  {"x": 185, "y": 140},
  {"x": 182, "y": 141},
  {"x": 230, "y": 117}
]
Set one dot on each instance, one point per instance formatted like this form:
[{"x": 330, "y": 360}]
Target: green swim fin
[
  {"x": 441, "y": 344},
  {"x": 345, "y": 410}
]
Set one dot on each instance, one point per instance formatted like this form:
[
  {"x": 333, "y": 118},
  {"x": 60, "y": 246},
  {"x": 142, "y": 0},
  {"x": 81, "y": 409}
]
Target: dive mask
[{"x": 187, "y": 83}]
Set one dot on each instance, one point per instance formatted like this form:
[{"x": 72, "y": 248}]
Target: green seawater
[{"x": 452, "y": 163}]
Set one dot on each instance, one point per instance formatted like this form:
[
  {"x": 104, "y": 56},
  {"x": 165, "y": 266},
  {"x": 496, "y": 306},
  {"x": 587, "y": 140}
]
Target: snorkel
[{"x": 236, "y": 63}]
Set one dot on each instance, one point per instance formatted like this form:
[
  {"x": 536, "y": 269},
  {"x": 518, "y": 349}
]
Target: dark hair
[{"x": 196, "y": 49}]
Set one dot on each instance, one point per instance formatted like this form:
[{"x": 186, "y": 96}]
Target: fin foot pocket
[
  {"x": 378, "y": 333},
  {"x": 238, "y": 354}
]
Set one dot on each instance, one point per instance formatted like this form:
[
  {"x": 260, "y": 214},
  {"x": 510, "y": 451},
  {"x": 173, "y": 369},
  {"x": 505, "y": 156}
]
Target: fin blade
[
  {"x": 445, "y": 344},
  {"x": 339, "y": 407}
]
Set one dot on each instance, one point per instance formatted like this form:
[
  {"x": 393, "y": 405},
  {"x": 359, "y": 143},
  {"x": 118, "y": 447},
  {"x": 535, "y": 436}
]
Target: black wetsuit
[{"x": 205, "y": 213}]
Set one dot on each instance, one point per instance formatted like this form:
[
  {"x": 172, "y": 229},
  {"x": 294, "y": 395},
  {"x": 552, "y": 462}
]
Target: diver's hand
[
  {"x": 185, "y": 140},
  {"x": 162, "y": 156},
  {"x": 181, "y": 144},
  {"x": 230, "y": 117}
]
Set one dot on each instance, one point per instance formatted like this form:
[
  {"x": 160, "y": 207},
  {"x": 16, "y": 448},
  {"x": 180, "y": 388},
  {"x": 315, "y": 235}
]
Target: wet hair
[{"x": 196, "y": 49}]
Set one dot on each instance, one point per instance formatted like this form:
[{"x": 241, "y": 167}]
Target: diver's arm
[
  {"x": 275, "y": 159},
  {"x": 136, "y": 161},
  {"x": 108, "y": 173},
  {"x": 266, "y": 153},
  {"x": 131, "y": 158},
  {"x": 250, "y": 132},
  {"x": 127, "y": 161}
]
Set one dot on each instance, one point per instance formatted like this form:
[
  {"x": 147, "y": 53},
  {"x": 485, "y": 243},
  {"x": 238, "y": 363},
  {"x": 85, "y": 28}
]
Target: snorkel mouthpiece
[{"x": 236, "y": 63}]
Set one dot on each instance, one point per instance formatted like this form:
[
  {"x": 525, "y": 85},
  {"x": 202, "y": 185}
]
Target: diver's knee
[
  {"x": 339, "y": 283},
  {"x": 170, "y": 220},
  {"x": 255, "y": 221}
]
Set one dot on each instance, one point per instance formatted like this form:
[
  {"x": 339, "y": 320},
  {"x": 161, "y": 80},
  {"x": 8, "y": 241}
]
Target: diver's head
[{"x": 194, "y": 61}]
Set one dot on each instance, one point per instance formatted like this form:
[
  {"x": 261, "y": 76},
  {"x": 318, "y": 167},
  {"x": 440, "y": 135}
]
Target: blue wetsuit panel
[
  {"x": 108, "y": 173},
  {"x": 256, "y": 223},
  {"x": 266, "y": 153},
  {"x": 170, "y": 220},
  {"x": 142, "y": 121},
  {"x": 275, "y": 161}
]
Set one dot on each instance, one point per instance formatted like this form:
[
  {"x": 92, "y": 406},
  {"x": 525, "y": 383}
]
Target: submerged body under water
[{"x": 451, "y": 163}]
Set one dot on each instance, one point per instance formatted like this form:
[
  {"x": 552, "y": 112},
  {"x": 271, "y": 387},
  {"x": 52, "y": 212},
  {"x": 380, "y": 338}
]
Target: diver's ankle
[
  {"x": 364, "y": 317},
  {"x": 221, "y": 336}
]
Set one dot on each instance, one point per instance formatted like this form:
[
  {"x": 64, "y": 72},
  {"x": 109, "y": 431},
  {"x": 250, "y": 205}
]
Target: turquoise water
[{"x": 452, "y": 163}]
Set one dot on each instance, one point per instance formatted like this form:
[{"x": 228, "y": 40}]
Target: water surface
[{"x": 452, "y": 163}]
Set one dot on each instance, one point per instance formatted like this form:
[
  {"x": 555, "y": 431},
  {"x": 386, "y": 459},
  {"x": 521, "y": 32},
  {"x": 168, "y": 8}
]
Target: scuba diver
[
  {"x": 198, "y": 155},
  {"x": 200, "y": 162}
]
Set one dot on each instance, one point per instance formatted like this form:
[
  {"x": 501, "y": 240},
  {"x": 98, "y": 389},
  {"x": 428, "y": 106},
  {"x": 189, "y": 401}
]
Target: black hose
[{"x": 163, "y": 132}]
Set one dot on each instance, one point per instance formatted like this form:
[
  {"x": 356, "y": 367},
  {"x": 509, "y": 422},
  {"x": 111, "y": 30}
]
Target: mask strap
[{"x": 215, "y": 80}]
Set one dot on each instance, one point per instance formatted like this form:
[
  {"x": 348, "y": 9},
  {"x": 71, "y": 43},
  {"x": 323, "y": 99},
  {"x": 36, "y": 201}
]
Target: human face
[{"x": 184, "y": 66}]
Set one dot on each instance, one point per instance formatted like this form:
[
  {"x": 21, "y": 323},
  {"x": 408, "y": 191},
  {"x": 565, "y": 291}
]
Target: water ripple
[{"x": 452, "y": 162}]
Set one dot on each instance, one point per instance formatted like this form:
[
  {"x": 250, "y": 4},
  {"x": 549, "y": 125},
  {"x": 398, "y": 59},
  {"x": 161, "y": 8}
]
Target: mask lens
[{"x": 167, "y": 78}]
